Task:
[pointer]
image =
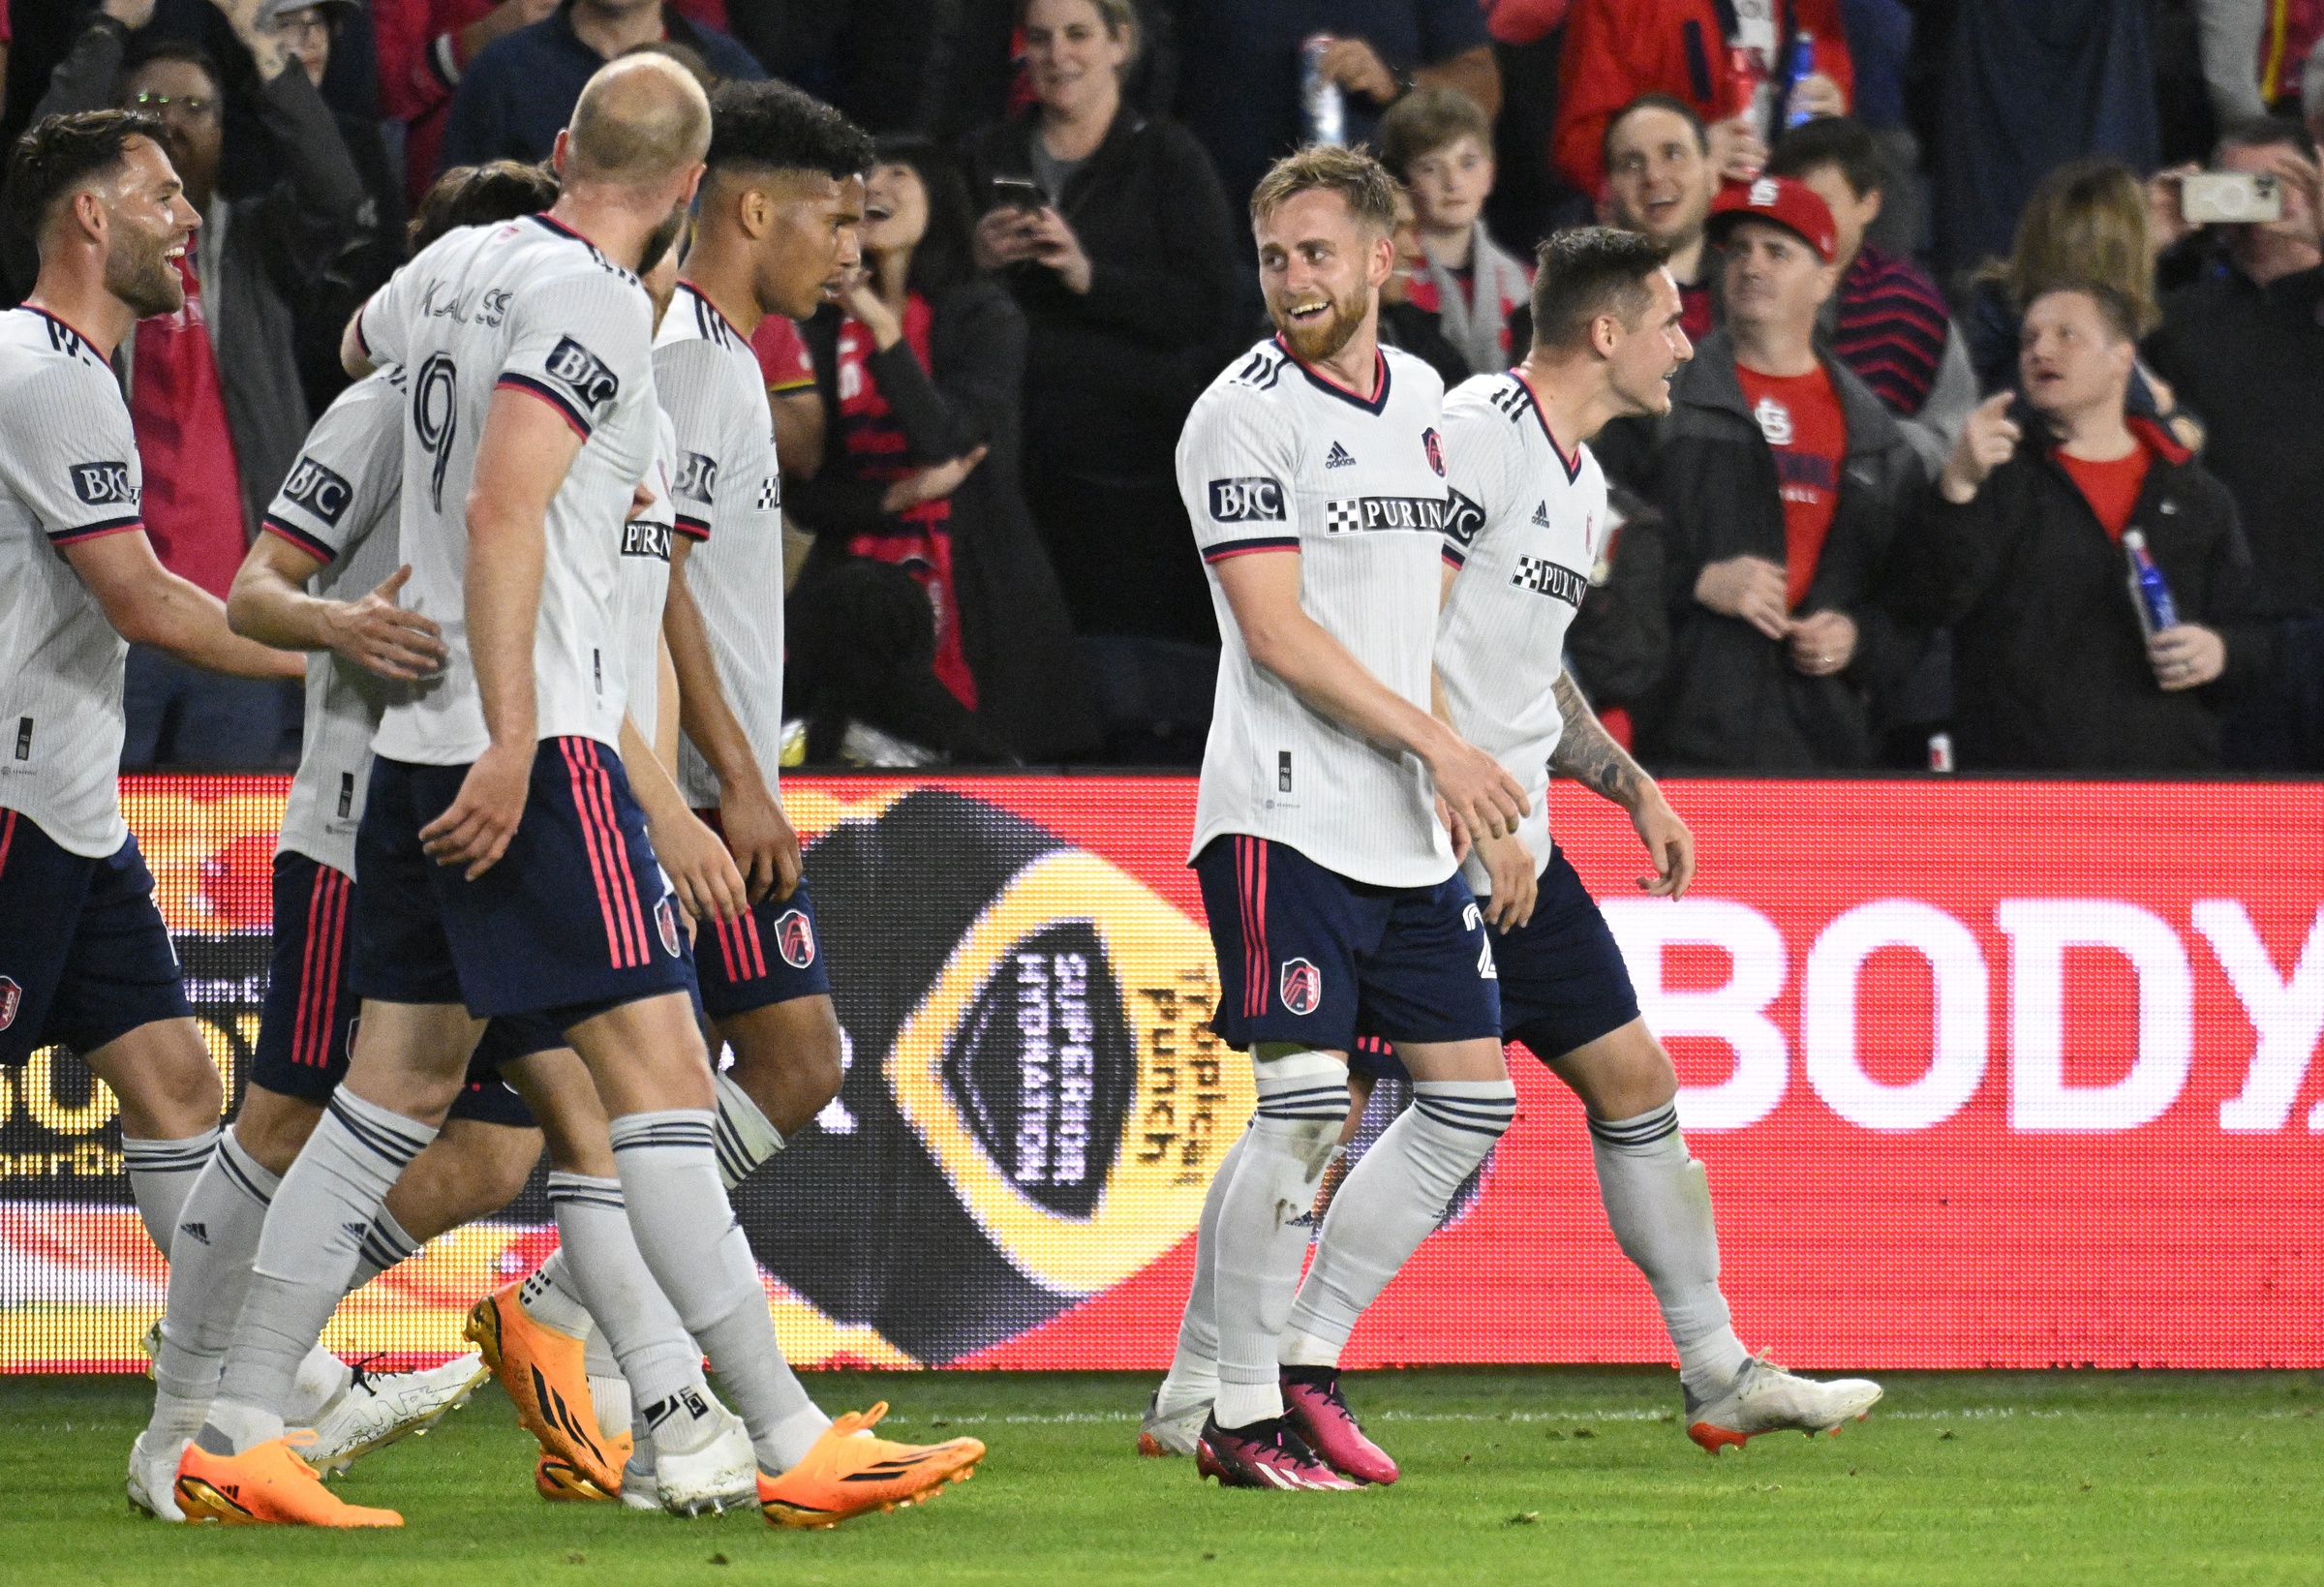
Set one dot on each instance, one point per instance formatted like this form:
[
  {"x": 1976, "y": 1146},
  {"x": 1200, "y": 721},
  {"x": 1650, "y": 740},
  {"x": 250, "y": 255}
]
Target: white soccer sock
[
  {"x": 552, "y": 1296},
  {"x": 1390, "y": 1201},
  {"x": 1660, "y": 1206},
  {"x": 696, "y": 1248},
  {"x": 312, "y": 1238},
  {"x": 744, "y": 1136},
  {"x": 598, "y": 1257},
  {"x": 385, "y": 1244},
  {"x": 162, "y": 1175},
  {"x": 1262, "y": 1223},
  {"x": 1193, "y": 1378},
  {"x": 321, "y": 1378},
  {"x": 217, "y": 1237},
  {"x": 608, "y": 1390}
]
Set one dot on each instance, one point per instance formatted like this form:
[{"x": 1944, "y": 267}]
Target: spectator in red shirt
[
  {"x": 1660, "y": 181},
  {"x": 1617, "y": 50},
  {"x": 1781, "y": 479}
]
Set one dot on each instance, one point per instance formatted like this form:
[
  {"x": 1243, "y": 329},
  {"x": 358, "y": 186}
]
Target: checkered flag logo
[
  {"x": 769, "y": 493},
  {"x": 1343, "y": 517}
]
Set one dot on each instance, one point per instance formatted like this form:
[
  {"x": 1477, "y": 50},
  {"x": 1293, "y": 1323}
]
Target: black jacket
[
  {"x": 2250, "y": 360},
  {"x": 2050, "y": 670},
  {"x": 1727, "y": 697},
  {"x": 1014, "y": 630},
  {"x": 1110, "y": 374}
]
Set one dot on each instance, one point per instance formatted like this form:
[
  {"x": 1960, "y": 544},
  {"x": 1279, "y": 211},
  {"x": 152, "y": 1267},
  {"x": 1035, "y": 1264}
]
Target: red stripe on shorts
[
  {"x": 589, "y": 843},
  {"x": 617, "y": 853}
]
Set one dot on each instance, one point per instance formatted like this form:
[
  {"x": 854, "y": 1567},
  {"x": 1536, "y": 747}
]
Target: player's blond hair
[
  {"x": 640, "y": 121},
  {"x": 1362, "y": 182}
]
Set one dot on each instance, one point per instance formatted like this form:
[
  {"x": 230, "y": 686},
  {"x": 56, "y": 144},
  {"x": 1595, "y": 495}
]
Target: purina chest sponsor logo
[
  {"x": 1370, "y": 514},
  {"x": 1544, "y": 577}
]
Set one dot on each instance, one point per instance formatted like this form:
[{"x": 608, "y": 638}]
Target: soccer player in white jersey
[
  {"x": 505, "y": 861},
  {"x": 84, "y": 956},
  {"x": 1315, "y": 476},
  {"x": 1530, "y": 519},
  {"x": 323, "y": 579},
  {"x": 776, "y": 221}
]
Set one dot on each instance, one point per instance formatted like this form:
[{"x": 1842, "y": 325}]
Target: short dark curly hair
[
  {"x": 59, "y": 154},
  {"x": 773, "y": 126}
]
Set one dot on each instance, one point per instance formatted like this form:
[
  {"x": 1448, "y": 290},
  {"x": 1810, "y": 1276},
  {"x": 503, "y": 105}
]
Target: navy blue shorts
[
  {"x": 1563, "y": 980},
  {"x": 307, "y": 1028},
  {"x": 84, "y": 956},
  {"x": 771, "y": 955},
  {"x": 575, "y": 919},
  {"x": 1307, "y": 956}
]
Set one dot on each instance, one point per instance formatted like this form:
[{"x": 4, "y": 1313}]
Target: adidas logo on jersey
[
  {"x": 1540, "y": 514},
  {"x": 1338, "y": 458}
]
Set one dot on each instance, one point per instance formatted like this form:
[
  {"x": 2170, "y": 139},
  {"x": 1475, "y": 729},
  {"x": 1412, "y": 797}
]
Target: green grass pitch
[{"x": 1509, "y": 1476}]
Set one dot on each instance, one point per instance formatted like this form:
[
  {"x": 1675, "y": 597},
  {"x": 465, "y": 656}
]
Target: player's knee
[
  {"x": 163, "y": 1079},
  {"x": 1302, "y": 1101},
  {"x": 272, "y": 1128}
]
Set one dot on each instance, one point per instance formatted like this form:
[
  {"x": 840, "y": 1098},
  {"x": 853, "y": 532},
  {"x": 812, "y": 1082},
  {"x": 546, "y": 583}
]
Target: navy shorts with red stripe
[
  {"x": 307, "y": 1025},
  {"x": 771, "y": 955},
  {"x": 1308, "y": 956},
  {"x": 575, "y": 918},
  {"x": 84, "y": 954},
  {"x": 1564, "y": 983}
]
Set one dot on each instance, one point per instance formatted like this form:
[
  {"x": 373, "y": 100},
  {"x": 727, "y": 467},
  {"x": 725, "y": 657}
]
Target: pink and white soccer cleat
[
  {"x": 1319, "y": 1414},
  {"x": 1266, "y": 1455}
]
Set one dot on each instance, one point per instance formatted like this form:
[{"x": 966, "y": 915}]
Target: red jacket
[{"x": 1617, "y": 50}]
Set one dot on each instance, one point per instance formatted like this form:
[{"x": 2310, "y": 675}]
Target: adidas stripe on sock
[{"x": 162, "y": 1175}]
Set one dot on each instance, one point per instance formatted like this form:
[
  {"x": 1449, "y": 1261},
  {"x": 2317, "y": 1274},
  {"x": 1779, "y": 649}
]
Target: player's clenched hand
[
  {"x": 700, "y": 868},
  {"x": 1988, "y": 440},
  {"x": 1477, "y": 789},
  {"x": 380, "y": 636},
  {"x": 761, "y": 838},
  {"x": 1750, "y": 588},
  {"x": 475, "y": 827},
  {"x": 1823, "y": 644},
  {"x": 1516, "y": 888},
  {"x": 1669, "y": 843}
]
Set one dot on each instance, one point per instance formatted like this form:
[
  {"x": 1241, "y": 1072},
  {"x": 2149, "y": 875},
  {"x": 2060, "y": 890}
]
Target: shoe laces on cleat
[{"x": 1267, "y": 1454}]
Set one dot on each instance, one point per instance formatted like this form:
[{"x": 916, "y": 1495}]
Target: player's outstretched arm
[
  {"x": 700, "y": 868},
  {"x": 1263, "y": 591},
  {"x": 269, "y": 603},
  {"x": 757, "y": 830},
  {"x": 522, "y": 458},
  {"x": 147, "y": 605},
  {"x": 1588, "y": 754}
]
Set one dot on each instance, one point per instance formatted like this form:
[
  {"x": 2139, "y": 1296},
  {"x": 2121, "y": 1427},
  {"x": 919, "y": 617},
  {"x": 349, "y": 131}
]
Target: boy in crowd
[{"x": 1439, "y": 145}]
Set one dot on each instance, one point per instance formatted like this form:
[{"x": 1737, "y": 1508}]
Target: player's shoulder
[
  {"x": 1489, "y": 401},
  {"x": 1252, "y": 392},
  {"x": 41, "y": 357},
  {"x": 694, "y": 319},
  {"x": 1411, "y": 377},
  {"x": 371, "y": 408}
]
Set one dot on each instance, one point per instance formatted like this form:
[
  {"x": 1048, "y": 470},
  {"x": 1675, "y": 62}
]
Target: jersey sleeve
[
  {"x": 349, "y": 469},
  {"x": 1478, "y": 450},
  {"x": 71, "y": 455},
  {"x": 577, "y": 341},
  {"x": 687, "y": 376},
  {"x": 784, "y": 362},
  {"x": 1236, "y": 464}
]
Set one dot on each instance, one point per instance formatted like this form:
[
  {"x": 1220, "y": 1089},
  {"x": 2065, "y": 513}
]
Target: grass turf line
[{"x": 1509, "y": 1477}]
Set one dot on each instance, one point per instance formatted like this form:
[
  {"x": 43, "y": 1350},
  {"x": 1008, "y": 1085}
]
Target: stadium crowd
[{"x": 1973, "y": 342}]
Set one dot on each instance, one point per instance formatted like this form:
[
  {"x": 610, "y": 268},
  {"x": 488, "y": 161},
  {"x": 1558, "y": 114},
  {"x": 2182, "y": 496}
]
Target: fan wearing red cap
[{"x": 1780, "y": 247}]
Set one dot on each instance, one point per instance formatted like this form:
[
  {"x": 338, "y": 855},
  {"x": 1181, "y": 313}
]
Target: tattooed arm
[{"x": 1589, "y": 755}]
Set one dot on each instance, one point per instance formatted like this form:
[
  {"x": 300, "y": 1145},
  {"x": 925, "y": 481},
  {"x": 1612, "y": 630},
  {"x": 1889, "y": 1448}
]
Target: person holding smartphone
[{"x": 1110, "y": 229}]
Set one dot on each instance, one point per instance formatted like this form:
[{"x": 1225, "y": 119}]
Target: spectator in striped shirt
[{"x": 1887, "y": 323}]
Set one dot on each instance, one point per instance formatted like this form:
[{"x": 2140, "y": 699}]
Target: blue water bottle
[
  {"x": 1799, "y": 65},
  {"x": 2150, "y": 594}
]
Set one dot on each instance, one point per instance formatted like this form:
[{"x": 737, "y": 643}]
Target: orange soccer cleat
[
  {"x": 554, "y": 1478},
  {"x": 849, "y": 1472},
  {"x": 541, "y": 1369},
  {"x": 265, "y": 1486}
]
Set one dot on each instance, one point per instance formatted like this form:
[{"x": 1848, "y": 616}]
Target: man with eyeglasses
[{"x": 214, "y": 390}]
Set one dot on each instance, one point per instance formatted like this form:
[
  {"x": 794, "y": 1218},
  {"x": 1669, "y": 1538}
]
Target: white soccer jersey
[
  {"x": 341, "y": 501},
  {"x": 1528, "y": 520},
  {"x": 643, "y": 586},
  {"x": 68, "y": 472},
  {"x": 529, "y": 305},
  {"x": 730, "y": 499},
  {"x": 1277, "y": 458}
]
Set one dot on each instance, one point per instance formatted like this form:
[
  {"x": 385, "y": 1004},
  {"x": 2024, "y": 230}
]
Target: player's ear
[{"x": 556, "y": 152}]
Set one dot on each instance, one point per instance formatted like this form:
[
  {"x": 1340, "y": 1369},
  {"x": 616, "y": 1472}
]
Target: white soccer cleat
[
  {"x": 1764, "y": 1398},
  {"x": 640, "y": 1488},
  {"x": 377, "y": 1408},
  {"x": 1163, "y": 1433},
  {"x": 153, "y": 1477},
  {"x": 721, "y": 1475}
]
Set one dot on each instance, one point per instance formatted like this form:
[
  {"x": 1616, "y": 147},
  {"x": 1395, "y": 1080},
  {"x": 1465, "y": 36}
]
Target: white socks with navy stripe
[
  {"x": 217, "y": 1237},
  {"x": 596, "y": 1265},
  {"x": 1659, "y": 1206},
  {"x": 1392, "y": 1199},
  {"x": 1264, "y": 1218},
  {"x": 308, "y": 1251},
  {"x": 743, "y": 1135},
  {"x": 687, "y": 1234},
  {"x": 162, "y": 1175}
]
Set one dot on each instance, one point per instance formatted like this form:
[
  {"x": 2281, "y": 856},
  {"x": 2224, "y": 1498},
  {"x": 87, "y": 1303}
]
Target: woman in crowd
[
  {"x": 1111, "y": 231},
  {"x": 919, "y": 367}
]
